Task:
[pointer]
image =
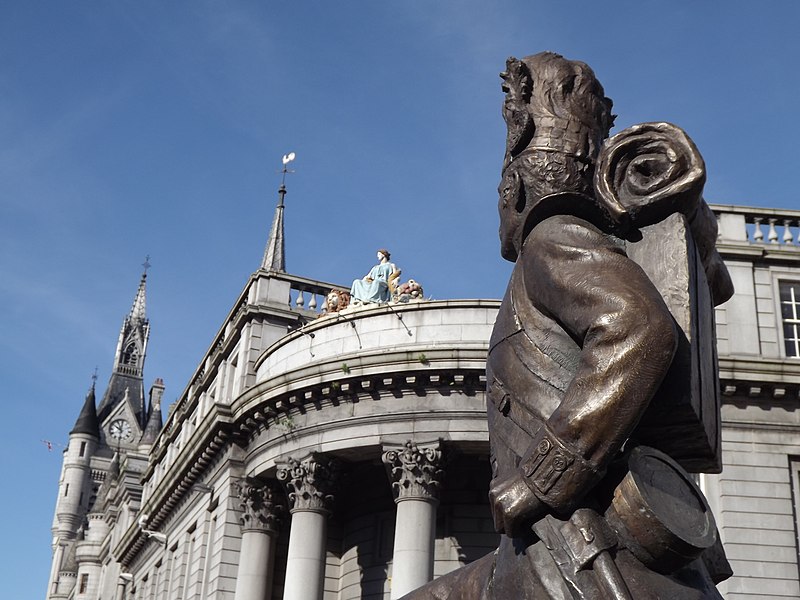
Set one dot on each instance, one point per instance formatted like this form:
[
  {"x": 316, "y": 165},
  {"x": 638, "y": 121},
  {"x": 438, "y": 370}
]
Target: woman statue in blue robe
[{"x": 376, "y": 286}]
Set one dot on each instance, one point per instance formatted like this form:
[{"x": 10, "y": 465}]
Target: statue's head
[
  {"x": 383, "y": 252},
  {"x": 557, "y": 117},
  {"x": 336, "y": 300}
]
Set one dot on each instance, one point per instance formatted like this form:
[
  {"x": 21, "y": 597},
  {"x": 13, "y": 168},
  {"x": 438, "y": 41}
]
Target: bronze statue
[{"x": 601, "y": 371}]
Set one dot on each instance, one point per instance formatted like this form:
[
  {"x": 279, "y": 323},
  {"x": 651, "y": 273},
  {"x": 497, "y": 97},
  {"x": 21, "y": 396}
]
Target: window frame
[{"x": 783, "y": 321}]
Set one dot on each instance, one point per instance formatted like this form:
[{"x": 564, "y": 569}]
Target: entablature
[{"x": 759, "y": 377}]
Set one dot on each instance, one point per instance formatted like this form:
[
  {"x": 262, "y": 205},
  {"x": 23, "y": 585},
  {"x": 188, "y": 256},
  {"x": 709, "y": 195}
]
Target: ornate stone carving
[
  {"x": 408, "y": 291},
  {"x": 260, "y": 506},
  {"x": 415, "y": 471},
  {"x": 310, "y": 483},
  {"x": 335, "y": 301}
]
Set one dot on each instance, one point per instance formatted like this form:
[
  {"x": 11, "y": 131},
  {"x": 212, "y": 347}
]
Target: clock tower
[
  {"x": 118, "y": 431},
  {"x": 122, "y": 411}
]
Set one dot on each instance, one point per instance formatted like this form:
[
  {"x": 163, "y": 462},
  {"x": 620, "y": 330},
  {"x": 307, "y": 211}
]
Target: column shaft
[
  {"x": 305, "y": 565},
  {"x": 121, "y": 588},
  {"x": 415, "y": 473},
  {"x": 256, "y": 560},
  {"x": 309, "y": 484},
  {"x": 414, "y": 538}
]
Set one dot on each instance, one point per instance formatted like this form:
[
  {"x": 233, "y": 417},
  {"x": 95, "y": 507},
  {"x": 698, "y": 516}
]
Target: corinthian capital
[
  {"x": 260, "y": 506},
  {"x": 414, "y": 471},
  {"x": 310, "y": 482}
]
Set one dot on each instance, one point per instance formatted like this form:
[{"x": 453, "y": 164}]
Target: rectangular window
[
  {"x": 84, "y": 584},
  {"x": 66, "y": 490},
  {"x": 790, "y": 313},
  {"x": 82, "y": 451}
]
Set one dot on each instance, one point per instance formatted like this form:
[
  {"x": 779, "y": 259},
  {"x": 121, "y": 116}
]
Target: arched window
[{"x": 130, "y": 356}]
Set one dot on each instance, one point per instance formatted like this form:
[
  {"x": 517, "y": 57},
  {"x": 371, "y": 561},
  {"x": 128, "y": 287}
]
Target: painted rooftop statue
[
  {"x": 602, "y": 374},
  {"x": 377, "y": 285}
]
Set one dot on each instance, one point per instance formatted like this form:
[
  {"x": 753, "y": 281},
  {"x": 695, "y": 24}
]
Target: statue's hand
[
  {"x": 514, "y": 506},
  {"x": 368, "y": 279}
]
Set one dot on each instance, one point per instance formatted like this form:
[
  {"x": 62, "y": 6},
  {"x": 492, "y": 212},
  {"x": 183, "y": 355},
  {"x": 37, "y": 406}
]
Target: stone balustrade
[{"x": 758, "y": 226}]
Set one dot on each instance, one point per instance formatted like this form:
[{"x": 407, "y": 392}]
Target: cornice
[
  {"x": 758, "y": 377},
  {"x": 187, "y": 468},
  {"x": 273, "y": 411},
  {"x": 761, "y": 253},
  {"x": 343, "y": 370}
]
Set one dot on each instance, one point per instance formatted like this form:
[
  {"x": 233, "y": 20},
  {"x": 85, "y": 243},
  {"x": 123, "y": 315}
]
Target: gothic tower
[
  {"x": 122, "y": 423},
  {"x": 122, "y": 412}
]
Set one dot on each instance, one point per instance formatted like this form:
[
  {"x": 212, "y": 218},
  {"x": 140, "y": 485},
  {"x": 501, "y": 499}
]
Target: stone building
[{"x": 346, "y": 456}]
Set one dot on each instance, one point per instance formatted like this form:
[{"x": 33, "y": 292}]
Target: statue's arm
[
  {"x": 605, "y": 301},
  {"x": 584, "y": 281}
]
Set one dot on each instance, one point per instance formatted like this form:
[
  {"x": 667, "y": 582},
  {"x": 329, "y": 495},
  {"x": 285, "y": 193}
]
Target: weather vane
[
  {"x": 94, "y": 377},
  {"x": 146, "y": 264},
  {"x": 287, "y": 158}
]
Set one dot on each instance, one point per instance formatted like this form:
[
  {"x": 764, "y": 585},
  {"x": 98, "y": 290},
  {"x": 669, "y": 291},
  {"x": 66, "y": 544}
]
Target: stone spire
[
  {"x": 274, "y": 259},
  {"x": 87, "y": 419},
  {"x": 126, "y": 377},
  {"x": 138, "y": 312}
]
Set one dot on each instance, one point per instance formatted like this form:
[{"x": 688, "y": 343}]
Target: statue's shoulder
[{"x": 566, "y": 234}]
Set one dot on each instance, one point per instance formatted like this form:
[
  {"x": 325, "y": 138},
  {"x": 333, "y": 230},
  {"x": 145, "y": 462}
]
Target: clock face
[{"x": 120, "y": 430}]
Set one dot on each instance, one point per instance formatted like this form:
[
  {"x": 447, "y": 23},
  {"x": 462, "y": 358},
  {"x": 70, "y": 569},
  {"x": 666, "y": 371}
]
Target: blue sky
[{"x": 135, "y": 128}]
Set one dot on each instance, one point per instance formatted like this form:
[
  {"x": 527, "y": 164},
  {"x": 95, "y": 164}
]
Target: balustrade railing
[
  {"x": 760, "y": 226},
  {"x": 307, "y": 294}
]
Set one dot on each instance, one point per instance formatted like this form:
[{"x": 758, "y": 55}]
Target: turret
[{"x": 75, "y": 487}]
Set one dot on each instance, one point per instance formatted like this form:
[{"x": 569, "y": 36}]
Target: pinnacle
[
  {"x": 138, "y": 310},
  {"x": 274, "y": 259}
]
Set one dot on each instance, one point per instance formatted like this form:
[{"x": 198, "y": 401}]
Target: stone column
[
  {"x": 415, "y": 475},
  {"x": 260, "y": 521},
  {"x": 309, "y": 486},
  {"x": 121, "y": 588}
]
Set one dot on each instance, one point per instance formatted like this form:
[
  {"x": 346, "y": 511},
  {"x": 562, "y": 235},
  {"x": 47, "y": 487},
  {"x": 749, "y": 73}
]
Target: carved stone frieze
[
  {"x": 310, "y": 483},
  {"x": 415, "y": 471},
  {"x": 261, "y": 507}
]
